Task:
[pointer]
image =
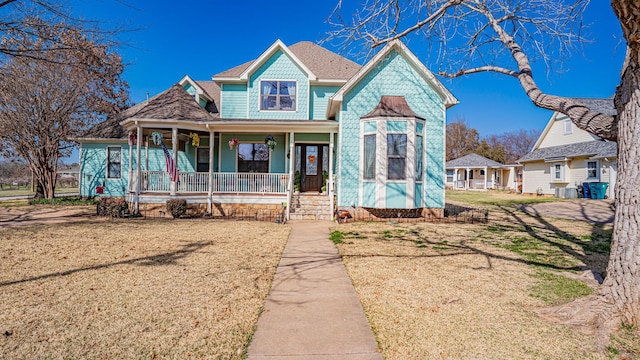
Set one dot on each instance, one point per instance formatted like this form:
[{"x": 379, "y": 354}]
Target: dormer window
[{"x": 278, "y": 95}]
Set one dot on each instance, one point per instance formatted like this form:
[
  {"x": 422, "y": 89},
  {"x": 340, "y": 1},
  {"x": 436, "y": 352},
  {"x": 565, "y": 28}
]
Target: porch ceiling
[{"x": 237, "y": 125}]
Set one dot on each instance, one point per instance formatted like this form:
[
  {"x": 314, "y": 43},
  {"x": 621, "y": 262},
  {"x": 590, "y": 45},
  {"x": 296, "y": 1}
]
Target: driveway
[{"x": 592, "y": 211}]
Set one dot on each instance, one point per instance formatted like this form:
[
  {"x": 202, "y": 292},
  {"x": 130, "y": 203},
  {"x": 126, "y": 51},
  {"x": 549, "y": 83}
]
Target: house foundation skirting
[
  {"x": 256, "y": 206},
  {"x": 404, "y": 215}
]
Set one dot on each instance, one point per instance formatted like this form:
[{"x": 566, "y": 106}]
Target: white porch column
[
  {"x": 210, "y": 191},
  {"x": 292, "y": 165},
  {"x": 174, "y": 147},
  {"x": 466, "y": 179},
  {"x": 330, "y": 179},
  {"x": 136, "y": 209},
  {"x": 455, "y": 178},
  {"x": 486, "y": 176}
]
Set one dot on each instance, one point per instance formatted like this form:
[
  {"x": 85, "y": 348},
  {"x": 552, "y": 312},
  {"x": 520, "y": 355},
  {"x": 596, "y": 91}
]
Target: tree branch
[{"x": 487, "y": 68}]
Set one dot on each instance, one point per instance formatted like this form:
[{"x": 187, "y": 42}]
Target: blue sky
[{"x": 203, "y": 38}]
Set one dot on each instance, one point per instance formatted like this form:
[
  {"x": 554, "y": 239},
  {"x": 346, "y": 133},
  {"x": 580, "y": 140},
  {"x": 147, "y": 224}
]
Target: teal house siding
[
  {"x": 394, "y": 76},
  {"x": 279, "y": 67},
  {"x": 228, "y": 156},
  {"x": 418, "y": 196},
  {"x": 369, "y": 187},
  {"x": 319, "y": 99},
  {"x": 94, "y": 170},
  {"x": 233, "y": 100},
  {"x": 311, "y": 137},
  {"x": 396, "y": 195}
]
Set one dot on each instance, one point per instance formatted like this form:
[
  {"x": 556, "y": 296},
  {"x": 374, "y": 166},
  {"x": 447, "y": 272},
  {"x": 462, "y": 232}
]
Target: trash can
[
  {"x": 598, "y": 190},
  {"x": 586, "y": 190}
]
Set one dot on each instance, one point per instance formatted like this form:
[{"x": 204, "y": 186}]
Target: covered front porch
[{"x": 230, "y": 164}]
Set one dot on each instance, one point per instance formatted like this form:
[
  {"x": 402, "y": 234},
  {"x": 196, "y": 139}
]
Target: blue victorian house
[{"x": 299, "y": 125}]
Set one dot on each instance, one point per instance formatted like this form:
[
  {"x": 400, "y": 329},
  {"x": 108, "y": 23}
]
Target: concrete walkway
[{"x": 312, "y": 311}]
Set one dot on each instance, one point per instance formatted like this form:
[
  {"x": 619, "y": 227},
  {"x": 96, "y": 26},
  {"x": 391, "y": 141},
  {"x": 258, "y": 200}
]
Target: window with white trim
[
  {"x": 114, "y": 162},
  {"x": 202, "y": 159},
  {"x": 369, "y": 157},
  {"x": 419, "y": 156},
  {"x": 592, "y": 170},
  {"x": 253, "y": 157},
  {"x": 278, "y": 95},
  {"x": 450, "y": 173},
  {"x": 557, "y": 172},
  {"x": 396, "y": 156},
  {"x": 568, "y": 126}
]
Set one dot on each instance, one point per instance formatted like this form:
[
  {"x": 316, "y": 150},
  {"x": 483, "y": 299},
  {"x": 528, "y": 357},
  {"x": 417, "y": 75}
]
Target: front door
[{"x": 311, "y": 167}]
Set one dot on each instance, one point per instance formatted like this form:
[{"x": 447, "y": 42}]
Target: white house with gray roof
[
  {"x": 475, "y": 172},
  {"x": 565, "y": 157}
]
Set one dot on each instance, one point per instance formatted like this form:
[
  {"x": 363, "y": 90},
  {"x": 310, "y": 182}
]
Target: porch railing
[{"x": 198, "y": 182}]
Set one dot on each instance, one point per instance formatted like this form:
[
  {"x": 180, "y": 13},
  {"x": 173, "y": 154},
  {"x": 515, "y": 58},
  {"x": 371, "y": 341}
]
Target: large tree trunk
[{"x": 622, "y": 283}]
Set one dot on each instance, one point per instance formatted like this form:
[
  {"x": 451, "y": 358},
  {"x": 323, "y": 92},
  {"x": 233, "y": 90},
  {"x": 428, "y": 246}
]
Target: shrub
[
  {"x": 114, "y": 207},
  {"x": 177, "y": 207}
]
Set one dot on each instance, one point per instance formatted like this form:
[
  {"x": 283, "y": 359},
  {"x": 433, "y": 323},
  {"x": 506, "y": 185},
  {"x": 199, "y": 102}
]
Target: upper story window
[
  {"x": 278, "y": 95},
  {"x": 568, "y": 126},
  {"x": 114, "y": 162}
]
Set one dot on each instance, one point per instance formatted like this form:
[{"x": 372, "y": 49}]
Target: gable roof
[
  {"x": 392, "y": 106},
  {"x": 472, "y": 160},
  {"x": 604, "y": 106},
  {"x": 594, "y": 149},
  {"x": 321, "y": 63},
  {"x": 447, "y": 97}
]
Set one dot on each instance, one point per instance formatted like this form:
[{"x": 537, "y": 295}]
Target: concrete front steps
[{"x": 310, "y": 206}]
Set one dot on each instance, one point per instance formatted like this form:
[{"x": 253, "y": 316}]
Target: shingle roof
[
  {"x": 392, "y": 106},
  {"x": 172, "y": 104},
  {"x": 322, "y": 62},
  {"x": 213, "y": 91},
  {"x": 472, "y": 160},
  {"x": 597, "y": 149},
  {"x": 604, "y": 106}
]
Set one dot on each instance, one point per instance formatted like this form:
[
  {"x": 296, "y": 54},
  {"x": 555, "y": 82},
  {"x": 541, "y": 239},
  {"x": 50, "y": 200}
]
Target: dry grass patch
[
  {"x": 135, "y": 289},
  {"x": 469, "y": 291}
]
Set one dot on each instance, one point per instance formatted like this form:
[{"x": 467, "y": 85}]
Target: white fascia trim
[
  {"x": 225, "y": 80},
  {"x": 199, "y": 90},
  {"x": 278, "y": 45},
  {"x": 546, "y": 130},
  {"x": 99, "y": 140}
]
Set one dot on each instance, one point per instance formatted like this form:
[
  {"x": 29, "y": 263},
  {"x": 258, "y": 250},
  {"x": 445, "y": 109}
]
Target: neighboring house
[
  {"x": 565, "y": 157},
  {"x": 475, "y": 172},
  {"x": 371, "y": 135}
]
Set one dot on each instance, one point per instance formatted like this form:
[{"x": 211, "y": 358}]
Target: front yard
[
  {"x": 195, "y": 288},
  {"x": 135, "y": 289},
  {"x": 470, "y": 291}
]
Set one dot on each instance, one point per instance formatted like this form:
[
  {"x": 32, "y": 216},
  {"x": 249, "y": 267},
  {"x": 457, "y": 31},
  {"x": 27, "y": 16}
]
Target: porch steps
[{"x": 306, "y": 206}]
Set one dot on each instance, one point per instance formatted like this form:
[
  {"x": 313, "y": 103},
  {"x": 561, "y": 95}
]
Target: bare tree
[
  {"x": 461, "y": 139},
  {"x": 518, "y": 143},
  {"x": 46, "y": 101},
  {"x": 505, "y": 37}
]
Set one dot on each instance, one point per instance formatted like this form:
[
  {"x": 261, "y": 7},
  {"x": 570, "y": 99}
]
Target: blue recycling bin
[
  {"x": 585, "y": 190},
  {"x": 598, "y": 190}
]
